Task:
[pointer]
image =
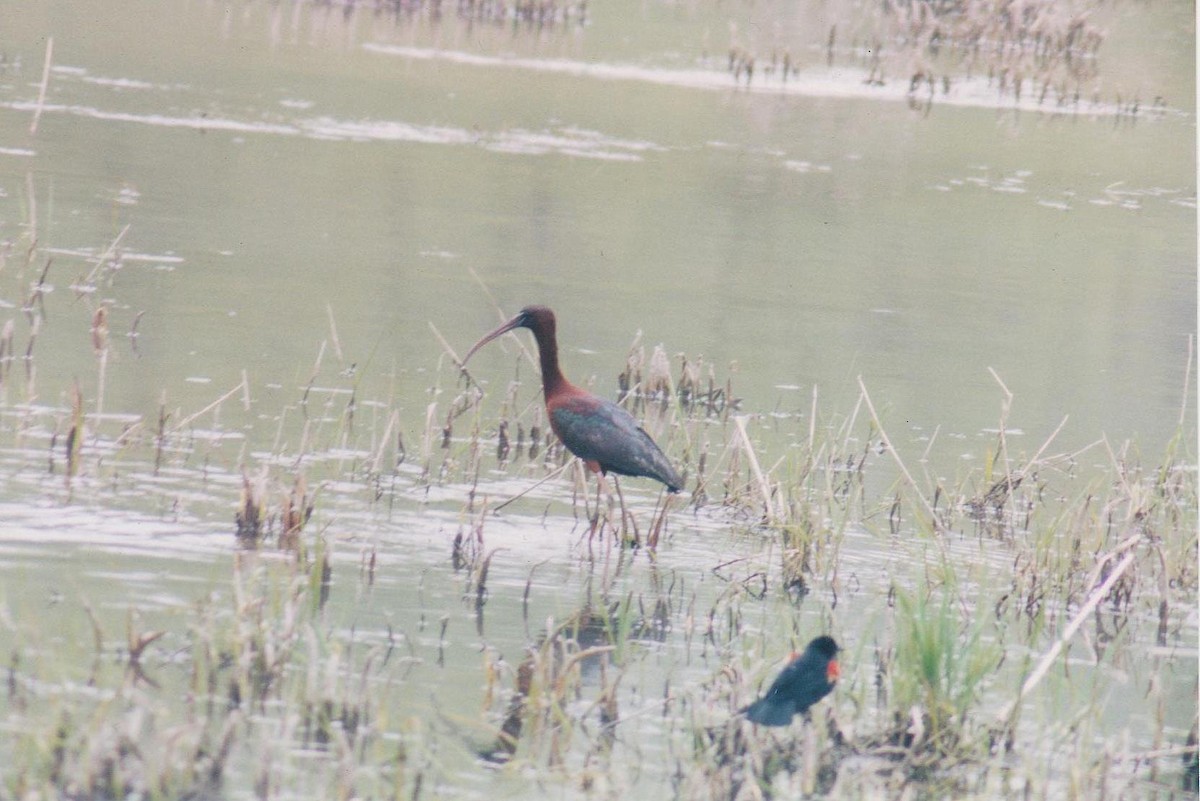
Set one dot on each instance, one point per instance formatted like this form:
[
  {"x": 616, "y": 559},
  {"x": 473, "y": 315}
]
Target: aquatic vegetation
[
  {"x": 1046, "y": 48},
  {"x": 937, "y": 672},
  {"x": 329, "y": 583},
  {"x": 1042, "y": 54},
  {"x": 1003, "y": 586}
]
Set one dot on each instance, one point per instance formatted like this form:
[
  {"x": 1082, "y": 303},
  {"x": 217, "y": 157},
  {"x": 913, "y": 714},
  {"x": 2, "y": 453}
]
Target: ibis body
[{"x": 605, "y": 436}]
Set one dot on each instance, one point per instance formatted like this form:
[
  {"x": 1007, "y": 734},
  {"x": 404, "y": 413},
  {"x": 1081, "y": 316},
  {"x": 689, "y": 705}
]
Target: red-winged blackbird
[{"x": 806, "y": 680}]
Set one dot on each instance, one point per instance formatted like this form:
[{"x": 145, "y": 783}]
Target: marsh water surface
[{"x": 284, "y": 209}]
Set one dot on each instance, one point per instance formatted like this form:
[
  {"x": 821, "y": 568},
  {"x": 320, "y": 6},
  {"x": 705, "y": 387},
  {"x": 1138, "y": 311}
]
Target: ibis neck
[{"x": 552, "y": 377}]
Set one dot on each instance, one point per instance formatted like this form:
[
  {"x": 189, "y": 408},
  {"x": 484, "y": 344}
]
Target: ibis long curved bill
[{"x": 515, "y": 322}]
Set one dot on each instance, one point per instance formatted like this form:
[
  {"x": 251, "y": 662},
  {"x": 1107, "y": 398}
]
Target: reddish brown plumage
[{"x": 598, "y": 431}]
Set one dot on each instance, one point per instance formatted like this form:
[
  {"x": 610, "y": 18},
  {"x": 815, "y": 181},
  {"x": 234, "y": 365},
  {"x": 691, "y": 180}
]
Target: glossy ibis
[
  {"x": 601, "y": 433},
  {"x": 806, "y": 680}
]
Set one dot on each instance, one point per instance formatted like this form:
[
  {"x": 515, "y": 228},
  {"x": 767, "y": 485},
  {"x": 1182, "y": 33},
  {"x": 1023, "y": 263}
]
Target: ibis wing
[{"x": 600, "y": 431}]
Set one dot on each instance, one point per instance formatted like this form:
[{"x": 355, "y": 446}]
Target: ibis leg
[
  {"x": 656, "y": 525},
  {"x": 635, "y": 540}
]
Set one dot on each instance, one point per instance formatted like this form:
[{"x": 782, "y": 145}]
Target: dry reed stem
[
  {"x": 937, "y": 523},
  {"x": 430, "y": 429},
  {"x": 446, "y": 346},
  {"x": 31, "y": 205},
  {"x": 97, "y": 631},
  {"x": 812, "y": 423},
  {"x": 1005, "y": 408},
  {"x": 102, "y": 370},
  {"x": 107, "y": 254},
  {"x": 241, "y": 387},
  {"x": 1053, "y": 434},
  {"x": 929, "y": 445},
  {"x": 1098, "y": 594},
  {"x": 312, "y": 377},
  {"x": 1187, "y": 381},
  {"x": 75, "y": 434},
  {"x": 384, "y": 441},
  {"x": 41, "y": 99},
  {"x": 849, "y": 427},
  {"x": 333, "y": 334},
  {"x": 553, "y": 474},
  {"x": 763, "y": 487},
  {"x": 1121, "y": 473},
  {"x": 100, "y": 345}
]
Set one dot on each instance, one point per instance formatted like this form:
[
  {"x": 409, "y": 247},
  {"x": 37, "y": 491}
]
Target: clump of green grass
[{"x": 940, "y": 665}]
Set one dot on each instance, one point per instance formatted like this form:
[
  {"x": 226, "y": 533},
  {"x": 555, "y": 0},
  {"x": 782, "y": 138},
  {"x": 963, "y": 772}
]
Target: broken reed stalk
[
  {"x": 241, "y": 387},
  {"x": 849, "y": 426},
  {"x": 1033, "y": 460},
  {"x": 333, "y": 334},
  {"x": 385, "y": 440},
  {"x": 312, "y": 377},
  {"x": 133, "y": 333},
  {"x": 446, "y": 346},
  {"x": 812, "y": 424},
  {"x": 1187, "y": 381},
  {"x": 1005, "y": 408},
  {"x": 41, "y": 100},
  {"x": 245, "y": 390},
  {"x": 933, "y": 516},
  {"x": 32, "y": 217},
  {"x": 763, "y": 487},
  {"x": 75, "y": 435},
  {"x": 1098, "y": 594},
  {"x": 553, "y": 474},
  {"x": 108, "y": 253},
  {"x": 103, "y": 359},
  {"x": 100, "y": 346}
]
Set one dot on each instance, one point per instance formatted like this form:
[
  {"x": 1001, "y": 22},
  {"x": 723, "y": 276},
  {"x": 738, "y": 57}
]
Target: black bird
[{"x": 806, "y": 680}]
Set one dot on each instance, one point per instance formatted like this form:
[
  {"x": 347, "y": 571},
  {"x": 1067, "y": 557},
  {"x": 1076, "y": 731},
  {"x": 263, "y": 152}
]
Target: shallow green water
[{"x": 298, "y": 193}]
